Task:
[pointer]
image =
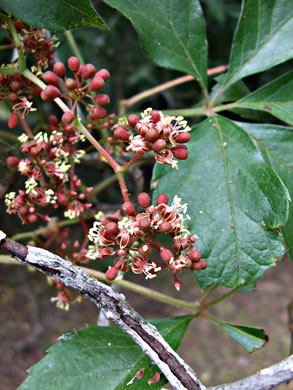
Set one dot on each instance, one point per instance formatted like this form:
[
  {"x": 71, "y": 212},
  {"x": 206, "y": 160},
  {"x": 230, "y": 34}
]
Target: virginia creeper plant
[{"x": 218, "y": 204}]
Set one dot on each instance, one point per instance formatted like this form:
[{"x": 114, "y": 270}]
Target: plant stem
[
  {"x": 223, "y": 297},
  {"x": 42, "y": 230},
  {"x": 123, "y": 187},
  {"x": 9, "y": 70},
  {"x": 225, "y": 107},
  {"x": 208, "y": 294},
  {"x": 129, "y": 163},
  {"x": 98, "y": 146},
  {"x": 9, "y": 136},
  {"x": 127, "y": 103},
  {"x": 193, "y": 307},
  {"x": 18, "y": 45},
  {"x": 186, "y": 112},
  {"x": 24, "y": 125},
  {"x": 102, "y": 185},
  {"x": 75, "y": 49}
]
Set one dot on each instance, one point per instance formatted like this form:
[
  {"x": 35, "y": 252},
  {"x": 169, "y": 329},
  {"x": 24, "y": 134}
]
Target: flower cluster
[
  {"x": 162, "y": 134},
  {"x": 80, "y": 89},
  {"x": 134, "y": 237},
  {"x": 49, "y": 168},
  {"x": 37, "y": 43}
]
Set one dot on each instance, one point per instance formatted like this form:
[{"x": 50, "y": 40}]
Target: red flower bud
[
  {"x": 12, "y": 161},
  {"x": 87, "y": 71},
  {"x": 12, "y": 121},
  {"x": 159, "y": 145},
  {"x": 183, "y": 137},
  {"x": 165, "y": 227},
  {"x": 59, "y": 69},
  {"x": 67, "y": 117},
  {"x": 151, "y": 135},
  {"x": 145, "y": 249},
  {"x": 166, "y": 255},
  {"x": 51, "y": 78},
  {"x": 121, "y": 133},
  {"x": 155, "y": 116},
  {"x": 50, "y": 93},
  {"x": 144, "y": 199},
  {"x": 144, "y": 224},
  {"x": 112, "y": 228},
  {"x": 70, "y": 84},
  {"x": 73, "y": 64},
  {"x": 128, "y": 208},
  {"x": 32, "y": 218},
  {"x": 194, "y": 256},
  {"x": 104, "y": 73},
  {"x": 111, "y": 273},
  {"x": 102, "y": 99},
  {"x": 15, "y": 86},
  {"x": 96, "y": 84},
  {"x": 162, "y": 198},
  {"x": 180, "y": 152},
  {"x": 98, "y": 113},
  {"x": 133, "y": 119}
]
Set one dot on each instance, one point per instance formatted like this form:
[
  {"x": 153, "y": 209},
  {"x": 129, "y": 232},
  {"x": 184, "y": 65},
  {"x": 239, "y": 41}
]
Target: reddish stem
[
  {"x": 24, "y": 125},
  {"x": 130, "y": 162}
]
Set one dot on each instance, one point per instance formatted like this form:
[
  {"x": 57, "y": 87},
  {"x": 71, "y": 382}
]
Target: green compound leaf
[
  {"x": 234, "y": 199},
  {"x": 276, "y": 144},
  {"x": 275, "y": 98},
  {"x": 172, "y": 33},
  {"x": 54, "y": 15},
  {"x": 263, "y": 38},
  {"x": 249, "y": 337},
  {"x": 101, "y": 358}
]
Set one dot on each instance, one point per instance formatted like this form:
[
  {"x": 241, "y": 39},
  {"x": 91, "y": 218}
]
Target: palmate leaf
[
  {"x": 54, "y": 15},
  {"x": 275, "y": 98},
  {"x": 276, "y": 144},
  {"x": 172, "y": 33},
  {"x": 234, "y": 199},
  {"x": 101, "y": 358},
  {"x": 263, "y": 38},
  {"x": 249, "y": 337}
]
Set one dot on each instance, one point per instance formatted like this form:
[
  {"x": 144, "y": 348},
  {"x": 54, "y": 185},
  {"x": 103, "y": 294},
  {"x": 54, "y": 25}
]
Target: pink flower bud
[
  {"x": 128, "y": 208},
  {"x": 155, "y": 116},
  {"x": 111, "y": 273},
  {"x": 50, "y": 78},
  {"x": 166, "y": 255},
  {"x": 59, "y": 69},
  {"x": 162, "y": 198},
  {"x": 96, "y": 84},
  {"x": 102, "y": 99},
  {"x": 12, "y": 161},
  {"x": 104, "y": 73},
  {"x": 183, "y": 137},
  {"x": 133, "y": 119},
  {"x": 144, "y": 199},
  {"x": 12, "y": 121},
  {"x": 73, "y": 64},
  {"x": 194, "y": 256}
]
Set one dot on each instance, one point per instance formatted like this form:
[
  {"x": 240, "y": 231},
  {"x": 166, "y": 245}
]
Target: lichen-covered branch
[
  {"x": 115, "y": 307},
  {"x": 264, "y": 379}
]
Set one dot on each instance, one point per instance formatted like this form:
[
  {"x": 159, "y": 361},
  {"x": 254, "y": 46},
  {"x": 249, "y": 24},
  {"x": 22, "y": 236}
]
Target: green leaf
[
  {"x": 276, "y": 144},
  {"x": 234, "y": 199},
  {"x": 101, "y": 358},
  {"x": 54, "y": 15},
  {"x": 249, "y": 337},
  {"x": 263, "y": 38},
  {"x": 275, "y": 98},
  {"x": 172, "y": 33}
]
